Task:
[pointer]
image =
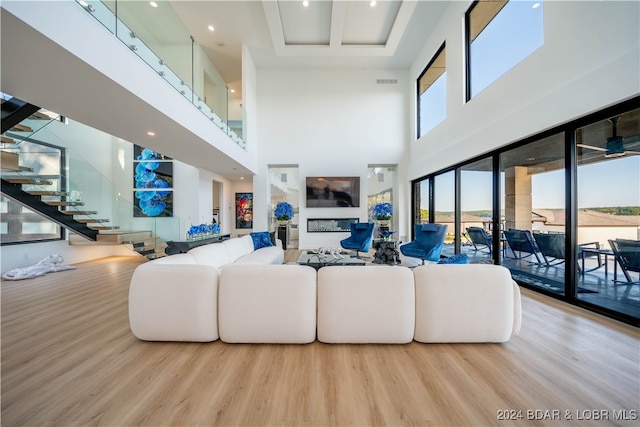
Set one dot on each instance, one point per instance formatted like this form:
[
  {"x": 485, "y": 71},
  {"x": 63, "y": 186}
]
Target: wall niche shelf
[{"x": 329, "y": 225}]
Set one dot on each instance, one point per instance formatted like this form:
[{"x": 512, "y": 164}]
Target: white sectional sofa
[
  {"x": 366, "y": 304},
  {"x": 253, "y": 302},
  {"x": 175, "y": 298}
]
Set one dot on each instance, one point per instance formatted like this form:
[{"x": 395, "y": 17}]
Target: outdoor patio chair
[
  {"x": 551, "y": 247},
  {"x": 479, "y": 237},
  {"x": 522, "y": 241},
  {"x": 627, "y": 255}
]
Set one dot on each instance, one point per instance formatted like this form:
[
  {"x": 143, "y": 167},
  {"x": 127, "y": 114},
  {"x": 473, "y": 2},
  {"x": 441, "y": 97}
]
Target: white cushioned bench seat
[
  {"x": 365, "y": 304},
  {"x": 466, "y": 303},
  {"x": 174, "y": 304},
  {"x": 267, "y": 304}
]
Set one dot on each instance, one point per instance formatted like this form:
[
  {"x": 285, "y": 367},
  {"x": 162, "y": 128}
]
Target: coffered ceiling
[{"x": 326, "y": 33}]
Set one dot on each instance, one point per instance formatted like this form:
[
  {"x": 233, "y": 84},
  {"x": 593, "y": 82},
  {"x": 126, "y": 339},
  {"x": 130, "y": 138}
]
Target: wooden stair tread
[
  {"x": 111, "y": 237},
  {"x": 104, "y": 227},
  {"x": 33, "y": 181},
  {"x": 48, "y": 193},
  {"x": 63, "y": 203},
  {"x": 92, "y": 220},
  {"x": 7, "y": 140},
  {"x": 79, "y": 212},
  {"x": 39, "y": 116},
  {"x": 9, "y": 161},
  {"x": 21, "y": 128}
]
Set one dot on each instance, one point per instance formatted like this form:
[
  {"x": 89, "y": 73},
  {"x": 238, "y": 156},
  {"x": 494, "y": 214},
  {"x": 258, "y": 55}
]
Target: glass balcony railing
[{"x": 162, "y": 41}]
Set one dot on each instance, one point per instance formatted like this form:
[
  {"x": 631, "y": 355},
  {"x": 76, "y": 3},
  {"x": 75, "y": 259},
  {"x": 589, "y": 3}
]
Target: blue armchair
[
  {"x": 360, "y": 239},
  {"x": 429, "y": 239}
]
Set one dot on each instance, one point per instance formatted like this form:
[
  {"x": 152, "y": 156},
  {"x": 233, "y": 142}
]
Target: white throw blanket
[{"x": 44, "y": 266}]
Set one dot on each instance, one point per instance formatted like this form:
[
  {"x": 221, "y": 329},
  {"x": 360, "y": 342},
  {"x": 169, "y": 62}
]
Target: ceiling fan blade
[{"x": 591, "y": 147}]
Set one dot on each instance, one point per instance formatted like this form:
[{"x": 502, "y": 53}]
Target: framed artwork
[
  {"x": 244, "y": 210},
  {"x": 153, "y": 183},
  {"x": 153, "y": 203}
]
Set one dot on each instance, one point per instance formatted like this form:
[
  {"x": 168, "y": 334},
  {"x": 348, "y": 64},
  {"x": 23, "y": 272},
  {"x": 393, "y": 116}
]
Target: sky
[{"x": 610, "y": 183}]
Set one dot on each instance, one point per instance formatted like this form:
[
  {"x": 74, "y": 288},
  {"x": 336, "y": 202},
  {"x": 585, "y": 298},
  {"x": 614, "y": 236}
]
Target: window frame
[
  {"x": 434, "y": 58},
  {"x": 468, "y": 42}
]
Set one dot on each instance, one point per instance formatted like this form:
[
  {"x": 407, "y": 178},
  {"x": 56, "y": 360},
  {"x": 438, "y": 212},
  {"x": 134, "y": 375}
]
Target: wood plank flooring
[{"x": 69, "y": 359}]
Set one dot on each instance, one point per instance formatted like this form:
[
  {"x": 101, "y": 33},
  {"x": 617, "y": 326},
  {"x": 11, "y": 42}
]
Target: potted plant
[
  {"x": 382, "y": 213},
  {"x": 283, "y": 213}
]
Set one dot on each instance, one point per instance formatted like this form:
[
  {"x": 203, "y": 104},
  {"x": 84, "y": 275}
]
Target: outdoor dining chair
[
  {"x": 627, "y": 255},
  {"x": 522, "y": 242}
]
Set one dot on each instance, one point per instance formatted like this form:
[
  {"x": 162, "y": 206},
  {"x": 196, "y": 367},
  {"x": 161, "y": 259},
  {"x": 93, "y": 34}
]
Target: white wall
[
  {"x": 590, "y": 59},
  {"x": 328, "y": 122}
]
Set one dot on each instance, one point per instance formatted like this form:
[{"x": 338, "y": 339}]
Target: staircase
[{"x": 47, "y": 194}]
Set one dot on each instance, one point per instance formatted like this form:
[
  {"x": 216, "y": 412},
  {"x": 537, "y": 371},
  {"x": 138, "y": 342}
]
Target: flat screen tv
[{"x": 333, "y": 191}]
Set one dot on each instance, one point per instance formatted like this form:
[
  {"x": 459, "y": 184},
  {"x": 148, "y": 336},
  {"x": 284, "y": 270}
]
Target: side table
[{"x": 386, "y": 252}]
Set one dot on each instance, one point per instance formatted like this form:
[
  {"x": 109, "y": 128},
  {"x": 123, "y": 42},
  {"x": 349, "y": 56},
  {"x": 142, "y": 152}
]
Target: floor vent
[{"x": 387, "y": 81}]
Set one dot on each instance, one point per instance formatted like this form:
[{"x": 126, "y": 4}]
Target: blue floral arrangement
[
  {"x": 152, "y": 203},
  {"x": 283, "y": 212},
  {"x": 383, "y": 211},
  {"x": 203, "y": 231}
]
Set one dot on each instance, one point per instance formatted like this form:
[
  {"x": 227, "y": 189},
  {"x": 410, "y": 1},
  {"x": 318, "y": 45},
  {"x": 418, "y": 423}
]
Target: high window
[
  {"x": 499, "y": 35},
  {"x": 432, "y": 93}
]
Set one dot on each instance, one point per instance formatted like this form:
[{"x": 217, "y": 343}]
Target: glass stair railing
[{"x": 52, "y": 179}]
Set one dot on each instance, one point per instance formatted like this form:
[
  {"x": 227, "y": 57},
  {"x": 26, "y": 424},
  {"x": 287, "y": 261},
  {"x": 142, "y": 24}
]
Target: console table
[{"x": 184, "y": 246}]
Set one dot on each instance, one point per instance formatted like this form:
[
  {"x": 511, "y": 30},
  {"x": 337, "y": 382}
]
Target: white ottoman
[
  {"x": 370, "y": 304},
  {"x": 466, "y": 303},
  {"x": 267, "y": 304},
  {"x": 174, "y": 303}
]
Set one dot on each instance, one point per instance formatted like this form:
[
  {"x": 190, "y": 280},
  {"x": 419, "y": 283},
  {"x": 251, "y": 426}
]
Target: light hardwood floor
[{"x": 69, "y": 358}]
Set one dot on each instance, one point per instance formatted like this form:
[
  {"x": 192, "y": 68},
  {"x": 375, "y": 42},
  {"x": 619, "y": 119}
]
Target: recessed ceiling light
[
  {"x": 232, "y": 90},
  {"x": 242, "y": 177},
  {"x": 153, "y": 4},
  {"x": 535, "y": 5},
  {"x": 151, "y": 133},
  {"x": 210, "y": 27},
  {"x": 305, "y": 3},
  {"x": 373, "y": 3}
]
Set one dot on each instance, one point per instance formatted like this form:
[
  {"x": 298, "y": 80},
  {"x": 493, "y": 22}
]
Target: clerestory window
[
  {"x": 432, "y": 93},
  {"x": 499, "y": 35}
]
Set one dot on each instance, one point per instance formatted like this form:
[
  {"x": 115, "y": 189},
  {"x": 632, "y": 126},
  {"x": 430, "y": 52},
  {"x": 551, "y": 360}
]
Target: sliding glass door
[{"x": 608, "y": 189}]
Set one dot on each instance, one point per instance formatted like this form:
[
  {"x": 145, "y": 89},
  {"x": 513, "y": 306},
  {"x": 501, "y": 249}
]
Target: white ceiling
[
  {"x": 285, "y": 34},
  {"x": 279, "y": 34}
]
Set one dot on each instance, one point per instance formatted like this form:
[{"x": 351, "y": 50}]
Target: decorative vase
[{"x": 383, "y": 225}]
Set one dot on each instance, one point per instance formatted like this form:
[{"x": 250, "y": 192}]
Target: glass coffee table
[{"x": 317, "y": 260}]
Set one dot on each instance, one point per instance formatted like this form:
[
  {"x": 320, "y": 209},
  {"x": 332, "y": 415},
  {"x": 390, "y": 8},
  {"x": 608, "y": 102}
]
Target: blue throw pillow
[
  {"x": 454, "y": 259},
  {"x": 261, "y": 239}
]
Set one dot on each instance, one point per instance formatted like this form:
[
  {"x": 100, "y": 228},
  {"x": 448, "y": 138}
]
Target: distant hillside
[
  {"x": 614, "y": 210},
  {"x": 618, "y": 210}
]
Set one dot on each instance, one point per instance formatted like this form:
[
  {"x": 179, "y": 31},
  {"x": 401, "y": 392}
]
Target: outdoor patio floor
[{"x": 594, "y": 286}]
